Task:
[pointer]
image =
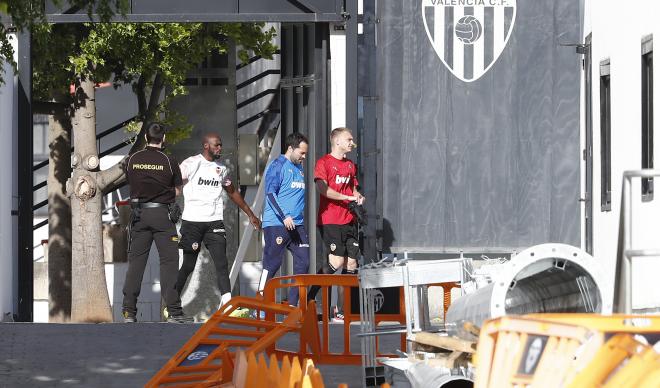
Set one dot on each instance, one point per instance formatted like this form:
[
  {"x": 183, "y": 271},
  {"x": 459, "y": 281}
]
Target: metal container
[{"x": 546, "y": 278}]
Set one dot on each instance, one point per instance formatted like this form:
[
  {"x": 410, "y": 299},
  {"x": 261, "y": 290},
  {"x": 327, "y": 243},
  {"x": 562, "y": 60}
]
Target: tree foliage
[
  {"x": 151, "y": 57},
  {"x": 27, "y": 14}
]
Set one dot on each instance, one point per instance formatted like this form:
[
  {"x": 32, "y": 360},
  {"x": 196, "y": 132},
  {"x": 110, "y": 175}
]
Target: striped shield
[{"x": 468, "y": 37}]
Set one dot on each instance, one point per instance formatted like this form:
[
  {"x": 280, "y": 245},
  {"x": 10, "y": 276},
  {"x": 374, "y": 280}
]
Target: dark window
[
  {"x": 647, "y": 115},
  {"x": 605, "y": 138},
  {"x": 211, "y": 72}
]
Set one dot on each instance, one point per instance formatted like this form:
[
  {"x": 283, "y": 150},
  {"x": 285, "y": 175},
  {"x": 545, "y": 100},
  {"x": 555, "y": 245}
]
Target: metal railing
[
  {"x": 110, "y": 150},
  {"x": 625, "y": 252},
  {"x": 256, "y": 207}
]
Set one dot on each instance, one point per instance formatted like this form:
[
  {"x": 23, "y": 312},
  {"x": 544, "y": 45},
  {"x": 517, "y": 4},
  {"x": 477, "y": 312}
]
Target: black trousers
[
  {"x": 153, "y": 225},
  {"x": 213, "y": 235}
]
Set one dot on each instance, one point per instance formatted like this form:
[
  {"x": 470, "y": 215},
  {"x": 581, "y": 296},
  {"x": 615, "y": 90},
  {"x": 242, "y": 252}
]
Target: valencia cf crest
[
  {"x": 333, "y": 247},
  {"x": 469, "y": 35},
  {"x": 279, "y": 240}
]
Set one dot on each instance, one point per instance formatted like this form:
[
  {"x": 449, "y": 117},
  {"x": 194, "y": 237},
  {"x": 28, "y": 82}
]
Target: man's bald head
[
  {"x": 211, "y": 146},
  {"x": 209, "y": 136}
]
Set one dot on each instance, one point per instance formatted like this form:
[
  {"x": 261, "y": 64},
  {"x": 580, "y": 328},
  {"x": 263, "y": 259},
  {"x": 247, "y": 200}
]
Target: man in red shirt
[{"x": 336, "y": 180}]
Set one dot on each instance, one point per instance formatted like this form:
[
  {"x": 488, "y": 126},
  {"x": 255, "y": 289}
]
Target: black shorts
[
  {"x": 194, "y": 233},
  {"x": 341, "y": 240}
]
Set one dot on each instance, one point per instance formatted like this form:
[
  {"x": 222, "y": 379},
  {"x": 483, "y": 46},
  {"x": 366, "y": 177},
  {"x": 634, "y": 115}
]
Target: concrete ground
[{"x": 117, "y": 354}]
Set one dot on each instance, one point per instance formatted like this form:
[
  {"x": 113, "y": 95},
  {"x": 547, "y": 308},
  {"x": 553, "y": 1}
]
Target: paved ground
[{"x": 114, "y": 355}]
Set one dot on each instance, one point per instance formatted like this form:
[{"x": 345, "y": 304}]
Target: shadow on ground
[{"x": 118, "y": 355}]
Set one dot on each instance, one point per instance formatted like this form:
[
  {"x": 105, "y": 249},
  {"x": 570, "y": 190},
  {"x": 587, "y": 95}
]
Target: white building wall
[
  {"x": 337, "y": 78},
  {"x": 8, "y": 106},
  {"x": 617, "y": 31}
]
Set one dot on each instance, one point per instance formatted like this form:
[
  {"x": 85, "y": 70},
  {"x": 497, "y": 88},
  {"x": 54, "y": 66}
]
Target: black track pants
[
  {"x": 154, "y": 225},
  {"x": 213, "y": 235}
]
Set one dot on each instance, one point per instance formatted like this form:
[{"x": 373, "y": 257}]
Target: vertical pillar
[
  {"x": 369, "y": 149},
  {"x": 7, "y": 190},
  {"x": 352, "y": 64},
  {"x": 25, "y": 199}
]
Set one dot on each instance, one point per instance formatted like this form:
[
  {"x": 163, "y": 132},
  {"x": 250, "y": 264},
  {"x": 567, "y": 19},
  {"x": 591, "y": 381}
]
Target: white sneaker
[{"x": 339, "y": 316}]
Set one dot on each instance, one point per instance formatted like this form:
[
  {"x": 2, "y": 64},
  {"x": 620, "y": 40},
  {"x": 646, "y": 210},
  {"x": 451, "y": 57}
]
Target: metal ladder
[{"x": 625, "y": 252}]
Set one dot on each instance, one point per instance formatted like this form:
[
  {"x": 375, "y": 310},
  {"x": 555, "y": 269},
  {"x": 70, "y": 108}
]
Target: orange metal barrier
[
  {"x": 207, "y": 358},
  {"x": 251, "y": 371},
  {"x": 303, "y": 282},
  {"x": 446, "y": 293}
]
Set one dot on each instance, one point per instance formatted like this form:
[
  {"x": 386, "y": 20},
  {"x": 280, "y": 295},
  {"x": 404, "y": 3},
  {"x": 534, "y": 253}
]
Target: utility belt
[
  {"x": 173, "y": 209},
  {"x": 147, "y": 205},
  {"x": 173, "y": 212}
]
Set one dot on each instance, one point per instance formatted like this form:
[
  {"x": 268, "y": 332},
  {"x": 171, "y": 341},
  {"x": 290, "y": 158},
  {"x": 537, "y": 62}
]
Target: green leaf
[{"x": 135, "y": 53}]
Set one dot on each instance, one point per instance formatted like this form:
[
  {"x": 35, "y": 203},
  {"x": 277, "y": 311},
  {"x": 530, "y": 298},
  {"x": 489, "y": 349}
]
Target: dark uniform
[{"x": 152, "y": 176}]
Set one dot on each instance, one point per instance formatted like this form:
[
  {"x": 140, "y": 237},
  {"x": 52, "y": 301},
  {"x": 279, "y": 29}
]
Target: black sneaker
[
  {"x": 180, "y": 319},
  {"x": 129, "y": 317}
]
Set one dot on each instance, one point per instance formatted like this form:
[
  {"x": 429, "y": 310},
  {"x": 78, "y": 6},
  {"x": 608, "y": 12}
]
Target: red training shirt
[{"x": 341, "y": 176}]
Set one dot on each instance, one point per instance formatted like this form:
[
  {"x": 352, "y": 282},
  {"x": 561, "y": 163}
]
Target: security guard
[{"x": 154, "y": 179}]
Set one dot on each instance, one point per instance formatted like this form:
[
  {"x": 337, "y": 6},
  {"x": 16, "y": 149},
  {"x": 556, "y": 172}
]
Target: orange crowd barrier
[
  {"x": 351, "y": 314},
  {"x": 208, "y": 357},
  {"x": 254, "y": 371}
]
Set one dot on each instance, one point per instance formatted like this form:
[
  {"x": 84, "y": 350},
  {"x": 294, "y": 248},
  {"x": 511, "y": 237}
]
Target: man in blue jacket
[{"x": 283, "y": 216}]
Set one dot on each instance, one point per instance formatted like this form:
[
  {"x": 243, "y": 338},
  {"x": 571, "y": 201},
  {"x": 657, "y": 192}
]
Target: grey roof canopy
[{"x": 212, "y": 11}]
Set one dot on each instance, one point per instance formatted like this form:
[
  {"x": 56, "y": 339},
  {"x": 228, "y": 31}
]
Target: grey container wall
[{"x": 492, "y": 164}]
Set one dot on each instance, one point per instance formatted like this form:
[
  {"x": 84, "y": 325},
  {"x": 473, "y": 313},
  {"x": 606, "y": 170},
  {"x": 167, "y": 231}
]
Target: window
[
  {"x": 211, "y": 72},
  {"x": 40, "y": 154},
  {"x": 605, "y": 138},
  {"x": 647, "y": 115}
]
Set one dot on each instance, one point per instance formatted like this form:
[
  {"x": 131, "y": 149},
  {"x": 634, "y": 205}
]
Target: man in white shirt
[{"x": 206, "y": 180}]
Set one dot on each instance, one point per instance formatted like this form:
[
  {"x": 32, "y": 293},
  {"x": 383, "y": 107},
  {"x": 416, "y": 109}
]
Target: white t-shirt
[{"x": 203, "y": 194}]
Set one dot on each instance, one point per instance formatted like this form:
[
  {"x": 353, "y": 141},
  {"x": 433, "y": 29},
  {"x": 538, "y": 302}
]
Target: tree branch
[
  {"x": 154, "y": 98},
  {"x": 142, "y": 99},
  {"x": 112, "y": 177},
  {"x": 150, "y": 113}
]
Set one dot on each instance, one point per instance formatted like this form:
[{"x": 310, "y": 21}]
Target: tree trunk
[
  {"x": 59, "y": 216},
  {"x": 89, "y": 296}
]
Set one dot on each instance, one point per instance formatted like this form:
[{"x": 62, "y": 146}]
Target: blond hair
[{"x": 337, "y": 131}]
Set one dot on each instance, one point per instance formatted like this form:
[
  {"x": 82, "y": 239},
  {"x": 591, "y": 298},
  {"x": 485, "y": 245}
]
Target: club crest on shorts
[
  {"x": 333, "y": 246},
  {"x": 279, "y": 240},
  {"x": 195, "y": 246},
  {"x": 468, "y": 35}
]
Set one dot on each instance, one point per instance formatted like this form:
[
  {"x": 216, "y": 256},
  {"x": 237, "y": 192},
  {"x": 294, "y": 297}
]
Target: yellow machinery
[{"x": 568, "y": 350}]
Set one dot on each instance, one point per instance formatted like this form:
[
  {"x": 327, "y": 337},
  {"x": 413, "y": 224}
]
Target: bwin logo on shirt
[
  {"x": 297, "y": 185},
  {"x": 468, "y": 35},
  {"x": 342, "y": 179},
  {"x": 208, "y": 182}
]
